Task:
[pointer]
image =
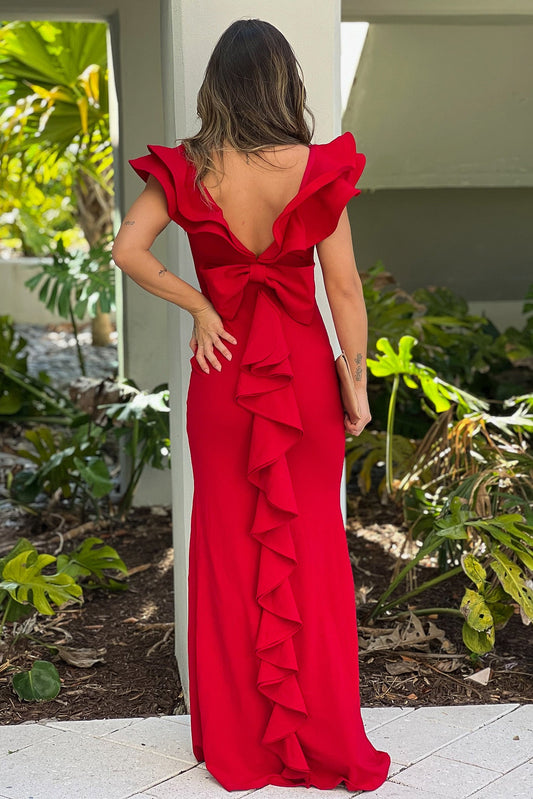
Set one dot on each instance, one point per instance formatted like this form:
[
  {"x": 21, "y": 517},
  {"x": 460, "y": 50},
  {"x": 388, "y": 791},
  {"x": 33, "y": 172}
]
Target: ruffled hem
[
  {"x": 265, "y": 388},
  {"x": 310, "y": 781},
  {"x": 329, "y": 182}
]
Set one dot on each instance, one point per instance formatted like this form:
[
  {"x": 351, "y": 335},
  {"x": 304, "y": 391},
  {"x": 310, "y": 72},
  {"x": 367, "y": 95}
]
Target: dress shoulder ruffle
[{"x": 313, "y": 213}]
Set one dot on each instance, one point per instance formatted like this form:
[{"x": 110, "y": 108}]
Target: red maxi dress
[{"x": 272, "y": 636}]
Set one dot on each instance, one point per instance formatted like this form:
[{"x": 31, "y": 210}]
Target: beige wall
[
  {"x": 476, "y": 241},
  {"x": 191, "y": 30},
  {"x": 137, "y": 118},
  {"x": 442, "y": 109}
]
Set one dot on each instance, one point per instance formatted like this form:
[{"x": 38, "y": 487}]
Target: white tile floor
[{"x": 475, "y": 751}]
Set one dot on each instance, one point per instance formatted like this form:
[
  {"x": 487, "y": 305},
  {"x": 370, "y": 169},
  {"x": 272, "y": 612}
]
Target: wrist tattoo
[
  {"x": 129, "y": 222},
  {"x": 359, "y": 366},
  {"x": 162, "y": 271}
]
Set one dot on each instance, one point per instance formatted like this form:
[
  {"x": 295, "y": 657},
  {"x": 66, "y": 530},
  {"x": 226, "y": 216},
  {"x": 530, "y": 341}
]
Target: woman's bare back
[{"x": 253, "y": 194}]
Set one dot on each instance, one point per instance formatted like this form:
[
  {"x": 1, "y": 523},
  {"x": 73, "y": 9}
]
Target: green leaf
[
  {"x": 512, "y": 578},
  {"x": 22, "y": 545},
  {"x": 11, "y": 401},
  {"x": 43, "y": 291},
  {"x": 63, "y": 302},
  {"x": 40, "y": 683},
  {"x": 501, "y": 613},
  {"x": 87, "y": 559},
  {"x": 434, "y": 393},
  {"x": 473, "y": 569},
  {"x": 96, "y": 474},
  {"x": 453, "y": 525},
  {"x": 477, "y": 641},
  {"x": 25, "y": 486},
  {"x": 22, "y": 574},
  {"x": 477, "y": 612},
  {"x": 392, "y": 363}
]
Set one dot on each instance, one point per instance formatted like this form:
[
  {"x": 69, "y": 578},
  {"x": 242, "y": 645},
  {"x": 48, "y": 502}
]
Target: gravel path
[{"x": 54, "y": 351}]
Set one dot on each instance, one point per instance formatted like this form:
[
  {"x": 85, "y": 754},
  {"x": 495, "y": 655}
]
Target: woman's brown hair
[{"x": 252, "y": 96}]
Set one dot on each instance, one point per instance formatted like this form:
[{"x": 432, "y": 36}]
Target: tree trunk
[{"x": 95, "y": 209}]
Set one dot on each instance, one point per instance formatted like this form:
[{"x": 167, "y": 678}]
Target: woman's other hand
[
  {"x": 208, "y": 332},
  {"x": 356, "y": 427}
]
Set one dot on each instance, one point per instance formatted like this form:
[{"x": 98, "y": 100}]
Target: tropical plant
[
  {"x": 76, "y": 283},
  {"x": 24, "y": 588},
  {"x": 54, "y": 106},
  {"x": 23, "y": 396},
  {"x": 144, "y": 422},
  {"x": 369, "y": 449},
  {"x": 468, "y": 498},
  {"x": 414, "y": 375},
  {"x": 463, "y": 348},
  {"x": 72, "y": 462},
  {"x": 41, "y": 683},
  {"x": 35, "y": 210},
  {"x": 69, "y": 462}
]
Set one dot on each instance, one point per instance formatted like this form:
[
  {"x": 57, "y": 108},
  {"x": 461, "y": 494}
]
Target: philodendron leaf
[
  {"x": 433, "y": 392},
  {"x": 477, "y": 641},
  {"x": 96, "y": 474},
  {"x": 392, "y": 363},
  {"x": 513, "y": 579},
  {"x": 477, "y": 612},
  {"x": 473, "y": 569},
  {"x": 501, "y": 613},
  {"x": 40, "y": 683},
  {"x": 22, "y": 574},
  {"x": 86, "y": 559},
  {"x": 22, "y": 545}
]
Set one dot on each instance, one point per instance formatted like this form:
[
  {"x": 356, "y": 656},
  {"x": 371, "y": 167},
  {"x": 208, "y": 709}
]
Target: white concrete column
[{"x": 190, "y": 29}]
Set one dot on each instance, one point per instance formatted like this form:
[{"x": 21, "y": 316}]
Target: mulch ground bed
[{"x": 132, "y": 631}]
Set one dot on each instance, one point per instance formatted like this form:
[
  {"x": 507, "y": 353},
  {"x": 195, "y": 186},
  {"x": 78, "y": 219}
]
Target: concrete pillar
[{"x": 189, "y": 33}]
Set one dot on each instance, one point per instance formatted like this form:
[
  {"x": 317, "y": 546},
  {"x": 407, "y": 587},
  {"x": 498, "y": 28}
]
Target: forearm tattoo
[
  {"x": 162, "y": 271},
  {"x": 359, "y": 366},
  {"x": 129, "y": 222}
]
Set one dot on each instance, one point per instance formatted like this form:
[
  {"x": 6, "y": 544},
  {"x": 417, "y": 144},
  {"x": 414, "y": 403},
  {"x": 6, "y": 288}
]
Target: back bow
[{"x": 294, "y": 286}]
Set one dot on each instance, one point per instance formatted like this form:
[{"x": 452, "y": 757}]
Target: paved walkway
[{"x": 477, "y": 751}]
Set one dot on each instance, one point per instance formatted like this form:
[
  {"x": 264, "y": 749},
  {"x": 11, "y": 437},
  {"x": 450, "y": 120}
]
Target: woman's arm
[
  {"x": 345, "y": 297},
  {"x": 145, "y": 220}
]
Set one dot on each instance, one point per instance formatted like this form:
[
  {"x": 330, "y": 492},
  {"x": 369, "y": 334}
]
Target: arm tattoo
[
  {"x": 162, "y": 271},
  {"x": 358, "y": 368},
  {"x": 129, "y": 222}
]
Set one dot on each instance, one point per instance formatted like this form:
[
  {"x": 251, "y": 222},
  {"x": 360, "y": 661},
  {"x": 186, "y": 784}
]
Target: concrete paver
[
  {"x": 68, "y": 764},
  {"x": 446, "y": 777},
  {"x": 500, "y": 746},
  {"x": 516, "y": 784},
  {"x": 459, "y": 752},
  {"x": 411, "y": 738}
]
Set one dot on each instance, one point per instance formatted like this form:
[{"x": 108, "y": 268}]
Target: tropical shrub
[
  {"x": 54, "y": 116},
  {"x": 462, "y": 348},
  {"x": 76, "y": 283},
  {"x": 25, "y": 588},
  {"x": 467, "y": 496}
]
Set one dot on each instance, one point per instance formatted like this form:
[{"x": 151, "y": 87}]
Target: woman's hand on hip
[
  {"x": 208, "y": 333},
  {"x": 357, "y": 426}
]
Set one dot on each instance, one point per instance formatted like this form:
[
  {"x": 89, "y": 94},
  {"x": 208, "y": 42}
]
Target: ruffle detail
[
  {"x": 265, "y": 388},
  {"x": 314, "y": 213},
  {"x": 328, "y": 183}
]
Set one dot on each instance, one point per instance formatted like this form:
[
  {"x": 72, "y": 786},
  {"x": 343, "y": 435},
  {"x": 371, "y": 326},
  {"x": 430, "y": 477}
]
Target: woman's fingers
[
  {"x": 209, "y": 333},
  {"x": 228, "y": 336},
  {"x": 205, "y": 354},
  {"x": 205, "y": 357},
  {"x": 222, "y": 347},
  {"x": 356, "y": 428}
]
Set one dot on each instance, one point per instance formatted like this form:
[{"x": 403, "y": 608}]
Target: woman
[{"x": 273, "y": 669}]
